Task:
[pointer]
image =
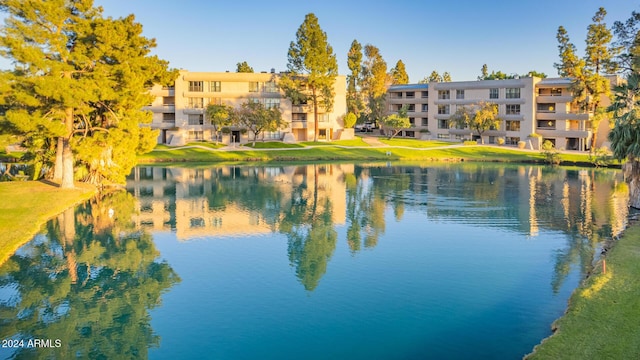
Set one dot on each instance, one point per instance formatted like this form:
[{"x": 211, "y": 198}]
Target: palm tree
[{"x": 625, "y": 135}]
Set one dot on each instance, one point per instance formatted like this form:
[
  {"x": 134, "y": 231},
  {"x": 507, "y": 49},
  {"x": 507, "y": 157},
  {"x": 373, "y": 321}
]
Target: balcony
[{"x": 299, "y": 124}]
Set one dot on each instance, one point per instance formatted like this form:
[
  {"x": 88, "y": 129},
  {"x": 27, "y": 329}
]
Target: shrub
[
  {"x": 500, "y": 141},
  {"x": 600, "y": 157},
  {"x": 350, "y": 120},
  {"x": 551, "y": 155},
  {"x": 521, "y": 144},
  {"x": 470, "y": 142},
  {"x": 225, "y": 130}
]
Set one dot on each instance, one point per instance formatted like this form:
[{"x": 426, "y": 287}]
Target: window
[
  {"x": 443, "y": 94},
  {"x": 215, "y": 86},
  {"x": 556, "y": 92},
  {"x": 271, "y": 87},
  {"x": 215, "y": 101},
  {"x": 411, "y": 107},
  {"x": 168, "y": 101},
  {"x": 298, "y": 117},
  {"x": 493, "y": 93},
  {"x": 512, "y": 93},
  {"x": 272, "y": 135},
  {"x": 443, "y": 109},
  {"x": 513, "y": 109},
  {"x": 396, "y": 95},
  {"x": 459, "y": 94},
  {"x": 168, "y": 117},
  {"x": 254, "y": 86},
  {"x": 425, "y": 94},
  {"x": 425, "y": 107},
  {"x": 195, "y": 103},
  {"x": 443, "y": 124},
  {"x": 196, "y": 135},
  {"x": 323, "y": 117},
  {"x": 425, "y": 122},
  {"x": 195, "y": 86},
  {"x": 410, "y": 133},
  {"x": 547, "y": 124},
  {"x": 546, "y": 107},
  {"x": 271, "y": 103},
  {"x": 410, "y": 94},
  {"x": 511, "y": 140},
  {"x": 412, "y": 121},
  {"x": 512, "y": 125},
  {"x": 195, "y": 119},
  {"x": 443, "y": 136}
]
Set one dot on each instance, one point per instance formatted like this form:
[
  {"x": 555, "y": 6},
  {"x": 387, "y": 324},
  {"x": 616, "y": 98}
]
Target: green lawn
[
  {"x": 357, "y": 141},
  {"x": 272, "y": 145},
  {"x": 416, "y": 143},
  {"x": 602, "y": 319},
  {"x": 470, "y": 153},
  {"x": 27, "y": 205}
]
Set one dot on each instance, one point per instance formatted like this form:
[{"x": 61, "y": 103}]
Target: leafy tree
[
  {"x": 394, "y": 123},
  {"x": 435, "y": 77},
  {"x": 446, "y": 77},
  {"x": 374, "y": 83},
  {"x": 480, "y": 118},
  {"x": 312, "y": 65},
  {"x": 354, "y": 62},
  {"x": 255, "y": 117},
  {"x": 219, "y": 116},
  {"x": 534, "y": 73},
  {"x": 589, "y": 85},
  {"x": 628, "y": 42},
  {"x": 484, "y": 72},
  {"x": 399, "y": 74},
  {"x": 350, "y": 120},
  {"x": 79, "y": 80},
  {"x": 243, "y": 67}
]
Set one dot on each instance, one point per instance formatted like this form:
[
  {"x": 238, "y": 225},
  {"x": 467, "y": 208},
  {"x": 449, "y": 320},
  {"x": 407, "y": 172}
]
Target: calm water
[{"x": 329, "y": 261}]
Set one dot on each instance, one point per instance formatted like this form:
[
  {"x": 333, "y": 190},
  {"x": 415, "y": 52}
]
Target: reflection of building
[
  {"x": 179, "y": 111},
  {"x": 234, "y": 200},
  {"x": 527, "y": 105}
]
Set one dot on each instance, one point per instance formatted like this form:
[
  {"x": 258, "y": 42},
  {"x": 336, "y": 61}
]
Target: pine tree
[
  {"x": 399, "y": 74},
  {"x": 312, "y": 65},
  {"x": 354, "y": 62},
  {"x": 81, "y": 80},
  {"x": 375, "y": 81}
]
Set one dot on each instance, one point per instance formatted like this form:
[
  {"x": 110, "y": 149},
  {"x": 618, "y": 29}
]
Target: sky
[{"x": 453, "y": 36}]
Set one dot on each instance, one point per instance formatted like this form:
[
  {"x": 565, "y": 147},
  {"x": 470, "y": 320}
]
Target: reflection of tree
[
  {"x": 309, "y": 227},
  {"x": 89, "y": 282}
]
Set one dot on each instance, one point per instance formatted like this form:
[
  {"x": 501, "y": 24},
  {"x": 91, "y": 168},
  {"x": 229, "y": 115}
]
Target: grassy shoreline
[
  {"x": 601, "y": 319},
  {"x": 454, "y": 153},
  {"x": 27, "y": 205}
]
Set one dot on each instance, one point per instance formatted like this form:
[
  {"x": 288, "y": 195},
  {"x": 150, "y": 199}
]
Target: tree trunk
[
  {"x": 67, "y": 154},
  {"x": 67, "y": 221},
  {"x": 632, "y": 176},
  {"x": 315, "y": 114},
  {"x": 57, "y": 171}
]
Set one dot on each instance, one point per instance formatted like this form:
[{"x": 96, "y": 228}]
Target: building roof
[
  {"x": 409, "y": 87},
  {"x": 555, "y": 81}
]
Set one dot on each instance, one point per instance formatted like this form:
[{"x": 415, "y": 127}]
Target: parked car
[{"x": 366, "y": 127}]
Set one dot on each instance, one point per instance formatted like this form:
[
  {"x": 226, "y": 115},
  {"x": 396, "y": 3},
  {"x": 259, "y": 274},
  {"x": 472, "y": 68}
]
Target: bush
[
  {"x": 600, "y": 157},
  {"x": 350, "y": 120},
  {"x": 500, "y": 141},
  {"x": 551, "y": 155},
  {"x": 470, "y": 142},
  {"x": 225, "y": 130},
  {"x": 521, "y": 144}
]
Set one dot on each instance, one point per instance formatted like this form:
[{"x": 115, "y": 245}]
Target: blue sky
[{"x": 453, "y": 36}]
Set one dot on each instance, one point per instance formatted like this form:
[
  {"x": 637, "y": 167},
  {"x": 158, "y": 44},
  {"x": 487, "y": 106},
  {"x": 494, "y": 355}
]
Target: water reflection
[
  {"x": 86, "y": 284},
  {"x": 307, "y": 203}
]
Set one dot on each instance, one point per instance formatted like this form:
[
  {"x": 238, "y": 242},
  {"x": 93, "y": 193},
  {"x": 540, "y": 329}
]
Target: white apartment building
[
  {"x": 526, "y": 106},
  {"x": 179, "y": 111}
]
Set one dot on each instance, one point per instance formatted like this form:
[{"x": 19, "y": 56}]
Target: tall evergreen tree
[
  {"x": 354, "y": 62},
  {"x": 589, "y": 83},
  {"x": 243, "y": 67},
  {"x": 399, "y": 74},
  {"x": 375, "y": 81},
  {"x": 312, "y": 65},
  {"x": 80, "y": 79}
]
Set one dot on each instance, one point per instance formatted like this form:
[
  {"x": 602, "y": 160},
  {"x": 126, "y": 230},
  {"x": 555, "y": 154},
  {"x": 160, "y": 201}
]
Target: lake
[{"x": 320, "y": 261}]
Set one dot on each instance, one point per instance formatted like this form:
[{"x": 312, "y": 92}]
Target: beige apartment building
[
  {"x": 179, "y": 111},
  {"x": 526, "y": 106}
]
